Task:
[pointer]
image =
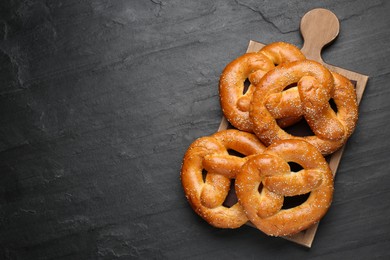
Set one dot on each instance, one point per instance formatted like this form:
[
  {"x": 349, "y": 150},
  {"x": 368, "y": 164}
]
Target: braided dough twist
[
  {"x": 271, "y": 170},
  {"x": 210, "y": 153},
  {"x": 316, "y": 85},
  {"x": 252, "y": 66}
]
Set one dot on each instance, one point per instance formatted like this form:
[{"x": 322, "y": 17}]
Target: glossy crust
[
  {"x": 252, "y": 66},
  {"x": 271, "y": 170},
  {"x": 316, "y": 85},
  {"x": 211, "y": 154}
]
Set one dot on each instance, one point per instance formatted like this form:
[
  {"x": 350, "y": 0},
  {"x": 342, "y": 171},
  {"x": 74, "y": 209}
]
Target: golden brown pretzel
[
  {"x": 252, "y": 66},
  {"x": 316, "y": 85},
  {"x": 282, "y": 52},
  {"x": 210, "y": 153},
  {"x": 271, "y": 171}
]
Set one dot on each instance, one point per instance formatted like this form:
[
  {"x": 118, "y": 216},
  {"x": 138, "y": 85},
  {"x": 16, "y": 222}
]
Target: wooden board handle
[{"x": 319, "y": 27}]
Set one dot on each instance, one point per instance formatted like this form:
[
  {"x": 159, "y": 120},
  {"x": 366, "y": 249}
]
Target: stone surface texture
[{"x": 99, "y": 101}]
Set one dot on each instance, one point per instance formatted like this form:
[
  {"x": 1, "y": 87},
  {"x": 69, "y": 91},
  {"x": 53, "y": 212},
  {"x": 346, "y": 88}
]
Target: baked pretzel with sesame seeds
[
  {"x": 271, "y": 171},
  {"x": 252, "y": 66},
  {"x": 316, "y": 85},
  {"x": 210, "y": 154}
]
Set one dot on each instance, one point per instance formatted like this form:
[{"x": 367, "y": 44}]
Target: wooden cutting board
[{"x": 319, "y": 27}]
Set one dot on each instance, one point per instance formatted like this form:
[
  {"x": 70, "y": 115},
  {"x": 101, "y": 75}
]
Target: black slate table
[{"x": 99, "y": 100}]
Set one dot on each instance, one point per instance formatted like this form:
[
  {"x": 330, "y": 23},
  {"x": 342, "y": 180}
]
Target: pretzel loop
[
  {"x": 310, "y": 88},
  {"x": 271, "y": 171},
  {"x": 211, "y": 154},
  {"x": 252, "y": 66}
]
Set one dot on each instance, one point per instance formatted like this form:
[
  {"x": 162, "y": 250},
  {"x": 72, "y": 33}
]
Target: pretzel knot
[
  {"x": 273, "y": 100},
  {"x": 211, "y": 154},
  {"x": 252, "y": 66},
  {"x": 271, "y": 171}
]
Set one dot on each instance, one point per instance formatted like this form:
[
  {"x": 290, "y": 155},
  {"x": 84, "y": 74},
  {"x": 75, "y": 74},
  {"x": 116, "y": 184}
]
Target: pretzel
[
  {"x": 271, "y": 172},
  {"x": 210, "y": 153},
  {"x": 252, "y": 66},
  {"x": 316, "y": 85}
]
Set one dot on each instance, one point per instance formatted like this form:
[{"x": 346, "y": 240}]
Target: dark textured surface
[{"x": 100, "y": 99}]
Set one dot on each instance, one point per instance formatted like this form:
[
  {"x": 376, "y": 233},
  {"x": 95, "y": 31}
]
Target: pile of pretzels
[{"x": 255, "y": 155}]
